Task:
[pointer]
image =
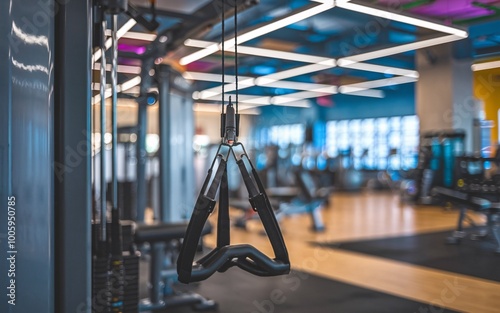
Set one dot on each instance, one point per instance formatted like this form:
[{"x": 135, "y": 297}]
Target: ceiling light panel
[
  {"x": 485, "y": 66},
  {"x": 380, "y": 83},
  {"x": 259, "y": 31},
  {"x": 346, "y": 4},
  {"x": 372, "y": 93},
  {"x": 209, "y": 77},
  {"x": 397, "y": 49},
  {"x": 387, "y": 70}
]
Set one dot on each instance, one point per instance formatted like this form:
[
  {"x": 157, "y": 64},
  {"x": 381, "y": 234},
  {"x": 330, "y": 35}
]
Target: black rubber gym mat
[
  {"x": 239, "y": 292},
  {"x": 472, "y": 258}
]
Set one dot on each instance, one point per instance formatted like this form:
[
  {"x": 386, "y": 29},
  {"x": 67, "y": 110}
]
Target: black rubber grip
[
  {"x": 223, "y": 221},
  {"x": 247, "y": 179},
  {"x": 189, "y": 246},
  {"x": 225, "y": 256},
  {"x": 212, "y": 191}
]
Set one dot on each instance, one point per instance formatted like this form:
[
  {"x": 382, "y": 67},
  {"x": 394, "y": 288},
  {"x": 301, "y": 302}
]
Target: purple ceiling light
[
  {"x": 446, "y": 9},
  {"x": 130, "y": 48}
]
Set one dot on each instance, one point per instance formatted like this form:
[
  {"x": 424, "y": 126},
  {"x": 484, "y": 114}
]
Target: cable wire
[
  {"x": 223, "y": 52},
  {"x": 236, "y": 50}
]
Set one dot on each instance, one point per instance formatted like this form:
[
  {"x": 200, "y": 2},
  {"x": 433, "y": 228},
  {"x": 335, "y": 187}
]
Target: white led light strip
[
  {"x": 135, "y": 35},
  {"x": 398, "y": 49},
  {"x": 346, "y": 4},
  {"x": 259, "y": 31},
  {"x": 269, "y": 53},
  {"x": 388, "y": 70},
  {"x": 210, "y": 108},
  {"x": 485, "y": 66},
  {"x": 129, "y": 84},
  {"x": 119, "y": 34},
  {"x": 318, "y": 63},
  {"x": 125, "y": 69},
  {"x": 377, "y": 84},
  {"x": 372, "y": 93},
  {"x": 210, "y": 77},
  {"x": 306, "y": 58}
]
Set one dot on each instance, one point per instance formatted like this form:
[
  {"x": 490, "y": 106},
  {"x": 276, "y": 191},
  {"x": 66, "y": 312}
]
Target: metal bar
[
  {"x": 164, "y": 104},
  {"x": 103, "y": 131},
  {"x": 114, "y": 130},
  {"x": 142, "y": 123},
  {"x": 72, "y": 132},
  {"x": 155, "y": 279}
]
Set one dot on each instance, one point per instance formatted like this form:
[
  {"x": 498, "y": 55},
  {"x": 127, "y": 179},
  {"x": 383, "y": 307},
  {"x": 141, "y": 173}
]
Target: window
[{"x": 376, "y": 144}]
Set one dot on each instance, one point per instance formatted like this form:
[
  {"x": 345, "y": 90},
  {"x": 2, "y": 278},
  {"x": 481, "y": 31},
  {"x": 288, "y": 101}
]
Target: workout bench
[{"x": 465, "y": 201}]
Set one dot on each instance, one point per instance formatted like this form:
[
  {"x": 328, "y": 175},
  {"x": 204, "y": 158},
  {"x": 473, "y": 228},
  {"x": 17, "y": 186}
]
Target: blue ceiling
[{"x": 334, "y": 33}]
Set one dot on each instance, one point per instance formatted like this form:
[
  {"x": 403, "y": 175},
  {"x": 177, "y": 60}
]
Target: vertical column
[
  {"x": 444, "y": 97},
  {"x": 434, "y": 96},
  {"x": 466, "y": 107},
  {"x": 176, "y": 123},
  {"x": 141, "y": 156},
  {"x": 72, "y": 140},
  {"x": 164, "y": 133}
]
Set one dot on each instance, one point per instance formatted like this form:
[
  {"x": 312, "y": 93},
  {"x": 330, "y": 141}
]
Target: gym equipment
[
  {"x": 115, "y": 268},
  {"x": 437, "y": 155},
  {"x": 473, "y": 175},
  {"x": 477, "y": 188},
  {"x": 136, "y": 15},
  {"x": 346, "y": 177},
  {"x": 225, "y": 256},
  {"x": 311, "y": 200},
  {"x": 465, "y": 201},
  {"x": 307, "y": 198},
  {"x": 164, "y": 240}
]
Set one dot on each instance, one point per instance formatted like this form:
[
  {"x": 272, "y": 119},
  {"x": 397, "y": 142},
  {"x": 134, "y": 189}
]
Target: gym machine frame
[{"x": 114, "y": 273}]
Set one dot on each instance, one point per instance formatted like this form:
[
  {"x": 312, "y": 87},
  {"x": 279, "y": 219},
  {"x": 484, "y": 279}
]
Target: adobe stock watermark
[
  {"x": 449, "y": 294},
  {"x": 292, "y": 282},
  {"x": 73, "y": 157}
]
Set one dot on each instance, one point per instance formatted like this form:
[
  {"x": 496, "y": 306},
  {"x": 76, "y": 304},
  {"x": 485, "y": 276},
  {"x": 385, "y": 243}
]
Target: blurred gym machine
[
  {"x": 438, "y": 152},
  {"x": 293, "y": 184},
  {"x": 346, "y": 177},
  {"x": 482, "y": 137},
  {"x": 311, "y": 200},
  {"x": 304, "y": 197},
  {"x": 476, "y": 188}
]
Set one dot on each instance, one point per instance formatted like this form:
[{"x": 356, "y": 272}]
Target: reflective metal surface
[{"x": 26, "y": 145}]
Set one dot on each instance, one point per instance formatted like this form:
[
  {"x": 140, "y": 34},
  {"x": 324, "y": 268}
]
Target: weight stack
[
  {"x": 115, "y": 280},
  {"x": 131, "y": 284},
  {"x": 117, "y": 284},
  {"x": 101, "y": 296}
]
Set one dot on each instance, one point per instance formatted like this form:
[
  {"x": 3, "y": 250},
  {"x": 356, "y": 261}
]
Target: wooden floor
[{"x": 374, "y": 215}]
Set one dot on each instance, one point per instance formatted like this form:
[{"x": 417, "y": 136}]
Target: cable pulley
[{"x": 225, "y": 255}]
